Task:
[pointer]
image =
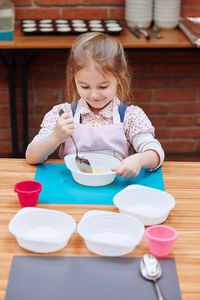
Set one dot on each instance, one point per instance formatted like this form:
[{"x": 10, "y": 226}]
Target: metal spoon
[
  {"x": 151, "y": 270},
  {"x": 144, "y": 32},
  {"x": 156, "y": 32},
  {"x": 156, "y": 28},
  {"x": 82, "y": 163}
]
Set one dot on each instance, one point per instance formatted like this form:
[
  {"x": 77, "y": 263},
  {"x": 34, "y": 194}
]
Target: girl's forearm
[
  {"x": 150, "y": 159},
  {"x": 37, "y": 150}
]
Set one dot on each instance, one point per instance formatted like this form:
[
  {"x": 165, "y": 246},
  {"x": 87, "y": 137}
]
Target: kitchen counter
[{"x": 182, "y": 181}]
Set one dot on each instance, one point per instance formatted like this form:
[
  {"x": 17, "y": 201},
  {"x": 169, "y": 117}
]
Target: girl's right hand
[{"x": 64, "y": 127}]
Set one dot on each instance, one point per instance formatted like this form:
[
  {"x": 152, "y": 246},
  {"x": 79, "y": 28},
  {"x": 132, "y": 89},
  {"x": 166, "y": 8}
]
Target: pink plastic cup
[
  {"x": 28, "y": 192},
  {"x": 161, "y": 239}
]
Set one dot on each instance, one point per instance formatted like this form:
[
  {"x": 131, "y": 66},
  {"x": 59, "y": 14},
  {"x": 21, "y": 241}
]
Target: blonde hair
[{"x": 106, "y": 53}]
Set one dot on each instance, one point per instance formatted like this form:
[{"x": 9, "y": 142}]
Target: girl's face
[{"x": 97, "y": 90}]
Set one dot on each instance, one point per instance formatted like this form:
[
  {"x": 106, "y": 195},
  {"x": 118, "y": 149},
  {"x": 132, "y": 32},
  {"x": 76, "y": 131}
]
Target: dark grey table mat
[{"x": 87, "y": 278}]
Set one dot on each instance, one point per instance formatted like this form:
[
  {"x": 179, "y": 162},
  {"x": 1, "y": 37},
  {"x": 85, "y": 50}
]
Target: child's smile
[{"x": 97, "y": 90}]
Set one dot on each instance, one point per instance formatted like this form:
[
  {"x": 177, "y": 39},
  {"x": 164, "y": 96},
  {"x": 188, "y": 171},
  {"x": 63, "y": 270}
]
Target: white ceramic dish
[
  {"x": 110, "y": 234},
  {"x": 149, "y": 205},
  {"x": 98, "y": 161},
  {"x": 42, "y": 230}
]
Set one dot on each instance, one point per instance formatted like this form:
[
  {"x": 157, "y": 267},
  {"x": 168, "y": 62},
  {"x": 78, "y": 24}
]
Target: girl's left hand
[{"x": 130, "y": 166}]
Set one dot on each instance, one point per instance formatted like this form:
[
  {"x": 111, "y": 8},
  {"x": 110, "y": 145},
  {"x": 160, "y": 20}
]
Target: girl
[{"x": 97, "y": 75}]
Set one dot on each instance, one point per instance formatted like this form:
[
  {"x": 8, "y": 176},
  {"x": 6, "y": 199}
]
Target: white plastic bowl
[
  {"x": 97, "y": 161},
  {"x": 110, "y": 234},
  {"x": 42, "y": 230},
  {"x": 149, "y": 205}
]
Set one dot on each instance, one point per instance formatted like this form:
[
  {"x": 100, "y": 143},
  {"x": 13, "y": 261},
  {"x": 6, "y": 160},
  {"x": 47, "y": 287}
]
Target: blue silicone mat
[{"x": 59, "y": 186}]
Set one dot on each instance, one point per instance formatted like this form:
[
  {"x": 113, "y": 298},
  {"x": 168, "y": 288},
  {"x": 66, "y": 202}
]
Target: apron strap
[
  {"x": 73, "y": 108},
  {"x": 122, "y": 109}
]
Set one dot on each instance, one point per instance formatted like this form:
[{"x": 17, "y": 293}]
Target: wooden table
[{"x": 182, "y": 180}]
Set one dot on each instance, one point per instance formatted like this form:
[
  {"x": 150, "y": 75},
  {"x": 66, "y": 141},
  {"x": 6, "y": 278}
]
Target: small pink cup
[
  {"x": 161, "y": 239},
  {"x": 28, "y": 192}
]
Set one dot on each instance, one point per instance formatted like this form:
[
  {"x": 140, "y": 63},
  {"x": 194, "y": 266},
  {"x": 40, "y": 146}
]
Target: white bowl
[
  {"x": 42, "y": 230},
  {"x": 166, "y": 24},
  {"x": 110, "y": 234},
  {"x": 149, "y": 205},
  {"x": 140, "y": 23},
  {"x": 97, "y": 161}
]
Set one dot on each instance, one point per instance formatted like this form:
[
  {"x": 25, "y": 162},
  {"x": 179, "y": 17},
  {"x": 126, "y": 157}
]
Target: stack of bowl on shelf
[
  {"x": 141, "y": 13},
  {"x": 138, "y": 13},
  {"x": 166, "y": 13}
]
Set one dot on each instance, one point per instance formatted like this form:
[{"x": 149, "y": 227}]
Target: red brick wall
[
  {"x": 85, "y": 9},
  {"x": 166, "y": 86},
  {"x": 69, "y": 9},
  {"x": 165, "y": 82}
]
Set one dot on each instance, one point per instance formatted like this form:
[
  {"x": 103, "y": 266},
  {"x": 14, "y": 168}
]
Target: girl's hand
[
  {"x": 64, "y": 127},
  {"x": 130, "y": 166}
]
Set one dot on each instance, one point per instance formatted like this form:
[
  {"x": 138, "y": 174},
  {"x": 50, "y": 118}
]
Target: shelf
[{"x": 172, "y": 38}]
